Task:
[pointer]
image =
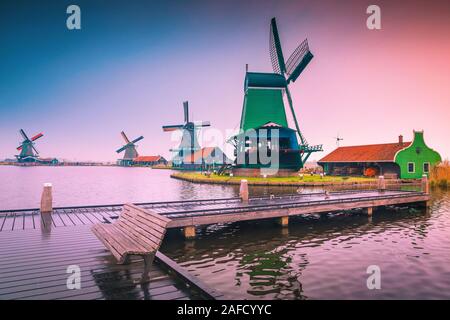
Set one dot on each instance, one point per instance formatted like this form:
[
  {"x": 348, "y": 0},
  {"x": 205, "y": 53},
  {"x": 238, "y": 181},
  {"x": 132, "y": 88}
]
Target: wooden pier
[
  {"x": 191, "y": 213},
  {"x": 34, "y": 265},
  {"x": 37, "y": 245}
]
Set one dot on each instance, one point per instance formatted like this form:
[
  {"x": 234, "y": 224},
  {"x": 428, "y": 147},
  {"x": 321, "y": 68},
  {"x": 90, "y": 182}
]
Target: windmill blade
[
  {"x": 137, "y": 139},
  {"x": 39, "y": 135},
  {"x": 186, "y": 111},
  {"x": 25, "y": 137},
  {"x": 173, "y": 127},
  {"x": 298, "y": 61},
  {"x": 35, "y": 150},
  {"x": 121, "y": 149},
  {"x": 124, "y": 136},
  {"x": 276, "y": 54},
  {"x": 19, "y": 147}
]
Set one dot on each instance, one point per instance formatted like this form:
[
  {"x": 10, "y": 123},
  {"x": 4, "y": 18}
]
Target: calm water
[{"x": 315, "y": 258}]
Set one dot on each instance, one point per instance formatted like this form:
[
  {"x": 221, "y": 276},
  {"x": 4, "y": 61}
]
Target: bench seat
[{"x": 137, "y": 232}]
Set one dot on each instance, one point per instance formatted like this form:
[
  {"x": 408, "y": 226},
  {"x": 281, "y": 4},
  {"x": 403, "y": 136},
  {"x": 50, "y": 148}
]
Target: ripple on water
[{"x": 328, "y": 258}]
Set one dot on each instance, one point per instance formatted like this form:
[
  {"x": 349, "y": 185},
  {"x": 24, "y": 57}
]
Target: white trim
[
  {"x": 414, "y": 167},
  {"x": 423, "y": 167}
]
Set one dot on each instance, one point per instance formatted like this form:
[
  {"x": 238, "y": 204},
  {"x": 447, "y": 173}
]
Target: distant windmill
[
  {"x": 189, "y": 142},
  {"x": 130, "y": 149},
  {"x": 28, "y": 153},
  {"x": 338, "y": 139}
]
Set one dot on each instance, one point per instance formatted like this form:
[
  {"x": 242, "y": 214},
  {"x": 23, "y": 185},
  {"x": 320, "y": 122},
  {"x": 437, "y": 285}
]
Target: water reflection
[{"x": 323, "y": 256}]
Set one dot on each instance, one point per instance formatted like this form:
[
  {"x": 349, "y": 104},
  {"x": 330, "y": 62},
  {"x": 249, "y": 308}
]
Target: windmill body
[
  {"x": 264, "y": 110},
  {"x": 129, "y": 149},
  {"x": 183, "y": 154},
  {"x": 28, "y": 152}
]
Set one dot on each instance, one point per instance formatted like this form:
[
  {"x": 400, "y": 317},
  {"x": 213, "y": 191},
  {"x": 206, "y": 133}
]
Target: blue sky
[{"x": 133, "y": 63}]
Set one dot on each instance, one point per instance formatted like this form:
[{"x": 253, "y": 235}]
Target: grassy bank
[
  {"x": 440, "y": 175},
  {"x": 306, "y": 180}
]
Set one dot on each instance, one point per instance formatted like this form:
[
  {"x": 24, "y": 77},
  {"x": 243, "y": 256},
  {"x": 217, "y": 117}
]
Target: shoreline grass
[
  {"x": 306, "y": 180},
  {"x": 440, "y": 175}
]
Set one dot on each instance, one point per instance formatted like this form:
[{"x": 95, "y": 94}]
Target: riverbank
[{"x": 306, "y": 180}]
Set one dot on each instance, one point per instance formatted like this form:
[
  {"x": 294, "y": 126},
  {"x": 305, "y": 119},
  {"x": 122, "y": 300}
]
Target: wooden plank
[
  {"x": 139, "y": 234},
  {"x": 146, "y": 212}
]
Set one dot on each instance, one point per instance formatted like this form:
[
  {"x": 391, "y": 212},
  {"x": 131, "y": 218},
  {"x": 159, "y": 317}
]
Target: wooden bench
[{"x": 138, "y": 232}]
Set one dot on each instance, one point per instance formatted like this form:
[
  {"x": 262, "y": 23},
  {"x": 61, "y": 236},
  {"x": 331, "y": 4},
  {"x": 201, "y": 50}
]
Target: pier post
[
  {"x": 46, "y": 208},
  {"x": 243, "y": 190},
  {"x": 189, "y": 232},
  {"x": 381, "y": 184},
  {"x": 47, "y": 199},
  {"x": 425, "y": 184},
  {"x": 284, "y": 221},
  {"x": 369, "y": 211}
]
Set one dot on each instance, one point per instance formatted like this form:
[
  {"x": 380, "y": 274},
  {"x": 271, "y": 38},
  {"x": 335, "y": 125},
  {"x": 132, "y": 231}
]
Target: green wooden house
[
  {"x": 416, "y": 159},
  {"x": 404, "y": 160}
]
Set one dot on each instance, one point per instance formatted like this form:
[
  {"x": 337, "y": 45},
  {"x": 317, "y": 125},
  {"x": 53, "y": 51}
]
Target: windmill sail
[
  {"x": 186, "y": 111},
  {"x": 276, "y": 54},
  {"x": 298, "y": 61}
]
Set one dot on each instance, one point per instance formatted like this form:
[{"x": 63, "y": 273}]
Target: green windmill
[
  {"x": 189, "y": 141},
  {"x": 264, "y": 109}
]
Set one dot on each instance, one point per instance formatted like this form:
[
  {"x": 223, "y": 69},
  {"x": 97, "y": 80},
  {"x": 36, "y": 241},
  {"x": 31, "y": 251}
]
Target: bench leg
[{"x": 147, "y": 265}]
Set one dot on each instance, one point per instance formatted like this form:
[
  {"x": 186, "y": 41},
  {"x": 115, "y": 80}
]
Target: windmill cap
[
  {"x": 47, "y": 184},
  {"x": 264, "y": 80}
]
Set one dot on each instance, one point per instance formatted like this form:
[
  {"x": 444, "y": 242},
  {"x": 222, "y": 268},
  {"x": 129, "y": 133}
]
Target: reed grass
[{"x": 440, "y": 174}]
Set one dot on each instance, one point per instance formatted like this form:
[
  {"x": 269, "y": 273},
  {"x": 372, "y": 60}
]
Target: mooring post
[
  {"x": 46, "y": 208},
  {"x": 47, "y": 199},
  {"x": 284, "y": 221},
  {"x": 189, "y": 232},
  {"x": 381, "y": 184},
  {"x": 369, "y": 211},
  {"x": 425, "y": 188},
  {"x": 243, "y": 190},
  {"x": 425, "y": 184}
]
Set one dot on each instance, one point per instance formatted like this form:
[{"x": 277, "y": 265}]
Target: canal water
[{"x": 316, "y": 257}]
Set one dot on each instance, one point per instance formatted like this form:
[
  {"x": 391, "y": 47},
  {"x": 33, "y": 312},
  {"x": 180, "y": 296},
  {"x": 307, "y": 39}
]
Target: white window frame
[
  {"x": 414, "y": 167},
  {"x": 423, "y": 167}
]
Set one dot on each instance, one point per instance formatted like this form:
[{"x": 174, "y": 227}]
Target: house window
[
  {"x": 411, "y": 167},
  {"x": 426, "y": 167}
]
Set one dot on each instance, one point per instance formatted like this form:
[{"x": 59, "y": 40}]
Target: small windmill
[
  {"x": 130, "y": 149},
  {"x": 28, "y": 153},
  {"x": 338, "y": 139},
  {"x": 291, "y": 70},
  {"x": 189, "y": 141}
]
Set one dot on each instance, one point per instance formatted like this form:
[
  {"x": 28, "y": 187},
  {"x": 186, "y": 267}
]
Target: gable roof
[
  {"x": 198, "y": 155},
  {"x": 147, "y": 159},
  {"x": 367, "y": 153}
]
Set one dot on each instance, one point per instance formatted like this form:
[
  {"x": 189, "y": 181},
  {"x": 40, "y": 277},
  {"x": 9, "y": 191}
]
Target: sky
[{"x": 133, "y": 63}]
